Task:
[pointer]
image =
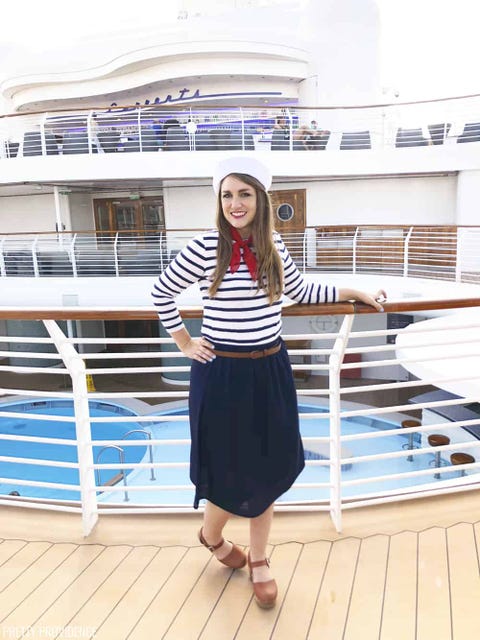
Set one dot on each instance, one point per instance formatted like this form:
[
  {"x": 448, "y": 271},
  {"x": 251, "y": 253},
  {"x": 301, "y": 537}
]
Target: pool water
[
  {"x": 176, "y": 430},
  {"x": 316, "y": 427},
  {"x": 57, "y": 452}
]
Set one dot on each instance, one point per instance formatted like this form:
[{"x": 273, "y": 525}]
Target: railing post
[
  {"x": 73, "y": 257},
  {"x": 89, "y": 132},
  {"x": 290, "y": 125},
  {"x": 160, "y": 248},
  {"x": 354, "y": 250},
  {"x": 36, "y": 271},
  {"x": 405, "y": 252},
  {"x": 58, "y": 214},
  {"x": 3, "y": 270},
  {"x": 42, "y": 135},
  {"x": 334, "y": 364},
  {"x": 115, "y": 254},
  {"x": 458, "y": 256},
  {"x": 242, "y": 126},
  {"x": 139, "y": 125},
  {"x": 304, "y": 250},
  {"x": 76, "y": 368}
]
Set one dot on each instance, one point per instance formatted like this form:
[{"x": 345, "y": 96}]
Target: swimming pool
[
  {"x": 61, "y": 429},
  {"x": 175, "y": 429},
  {"x": 314, "y": 453}
]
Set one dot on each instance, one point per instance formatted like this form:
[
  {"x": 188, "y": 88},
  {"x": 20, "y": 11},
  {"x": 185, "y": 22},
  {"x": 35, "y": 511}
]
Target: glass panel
[
  {"x": 124, "y": 216},
  {"x": 153, "y": 216},
  {"x": 103, "y": 218}
]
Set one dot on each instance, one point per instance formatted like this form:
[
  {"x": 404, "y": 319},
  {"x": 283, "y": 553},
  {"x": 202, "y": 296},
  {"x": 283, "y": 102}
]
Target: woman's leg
[
  {"x": 214, "y": 519},
  {"x": 259, "y": 533}
]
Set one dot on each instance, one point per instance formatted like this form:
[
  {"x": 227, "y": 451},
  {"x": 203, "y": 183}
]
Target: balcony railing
[
  {"x": 359, "y": 449},
  {"x": 150, "y": 128},
  {"x": 440, "y": 252}
]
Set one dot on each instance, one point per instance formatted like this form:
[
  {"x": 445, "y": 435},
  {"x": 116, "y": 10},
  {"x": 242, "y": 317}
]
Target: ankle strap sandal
[
  {"x": 265, "y": 593},
  {"x": 236, "y": 559}
]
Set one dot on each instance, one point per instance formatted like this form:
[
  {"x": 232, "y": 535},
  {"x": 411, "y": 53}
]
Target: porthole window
[{"x": 285, "y": 212}]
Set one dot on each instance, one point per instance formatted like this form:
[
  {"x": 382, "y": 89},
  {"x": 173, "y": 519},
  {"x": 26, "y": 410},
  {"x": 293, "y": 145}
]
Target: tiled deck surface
[{"x": 406, "y": 571}]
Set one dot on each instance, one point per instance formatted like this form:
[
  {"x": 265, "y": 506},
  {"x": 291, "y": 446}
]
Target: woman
[{"x": 246, "y": 446}]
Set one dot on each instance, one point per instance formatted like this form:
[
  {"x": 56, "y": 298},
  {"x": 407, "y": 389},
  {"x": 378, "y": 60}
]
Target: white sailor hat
[{"x": 242, "y": 164}]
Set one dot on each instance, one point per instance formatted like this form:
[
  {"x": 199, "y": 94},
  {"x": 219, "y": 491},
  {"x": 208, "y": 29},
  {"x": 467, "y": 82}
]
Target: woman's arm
[
  {"x": 306, "y": 292},
  {"x": 184, "y": 270}
]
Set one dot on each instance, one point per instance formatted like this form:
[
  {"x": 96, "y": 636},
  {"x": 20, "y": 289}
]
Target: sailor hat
[{"x": 242, "y": 164}]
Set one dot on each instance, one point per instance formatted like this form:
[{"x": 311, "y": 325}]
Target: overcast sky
[{"x": 429, "y": 48}]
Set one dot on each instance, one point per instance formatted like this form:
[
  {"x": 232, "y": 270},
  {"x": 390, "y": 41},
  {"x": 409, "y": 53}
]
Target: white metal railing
[
  {"x": 357, "y": 452},
  {"x": 446, "y": 253},
  {"x": 150, "y": 128}
]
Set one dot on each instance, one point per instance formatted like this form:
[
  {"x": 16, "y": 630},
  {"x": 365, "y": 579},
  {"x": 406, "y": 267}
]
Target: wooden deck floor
[{"x": 408, "y": 571}]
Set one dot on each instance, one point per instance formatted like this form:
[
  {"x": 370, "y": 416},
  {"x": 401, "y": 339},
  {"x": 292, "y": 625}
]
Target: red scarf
[{"x": 242, "y": 247}]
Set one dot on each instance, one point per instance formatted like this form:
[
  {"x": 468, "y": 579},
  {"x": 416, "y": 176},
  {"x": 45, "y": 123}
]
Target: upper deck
[{"x": 97, "y": 144}]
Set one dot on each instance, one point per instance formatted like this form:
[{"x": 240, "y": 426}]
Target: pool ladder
[
  {"x": 121, "y": 458},
  {"x": 150, "y": 448}
]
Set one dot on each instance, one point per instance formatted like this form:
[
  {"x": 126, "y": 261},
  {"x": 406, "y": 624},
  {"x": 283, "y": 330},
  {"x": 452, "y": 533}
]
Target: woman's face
[{"x": 239, "y": 204}]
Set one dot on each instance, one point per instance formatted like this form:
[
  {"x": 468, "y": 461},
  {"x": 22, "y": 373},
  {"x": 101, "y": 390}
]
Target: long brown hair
[{"x": 269, "y": 264}]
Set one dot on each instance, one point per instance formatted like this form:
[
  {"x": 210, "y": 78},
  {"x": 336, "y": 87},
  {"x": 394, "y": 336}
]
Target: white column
[
  {"x": 58, "y": 209},
  {"x": 468, "y": 196}
]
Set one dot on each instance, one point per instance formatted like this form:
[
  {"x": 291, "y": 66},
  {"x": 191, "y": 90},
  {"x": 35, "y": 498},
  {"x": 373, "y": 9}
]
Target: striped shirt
[{"x": 238, "y": 314}]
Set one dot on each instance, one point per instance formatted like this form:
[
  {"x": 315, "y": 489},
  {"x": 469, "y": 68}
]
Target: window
[{"x": 285, "y": 212}]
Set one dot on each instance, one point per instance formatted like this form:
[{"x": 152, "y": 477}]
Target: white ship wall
[
  {"x": 27, "y": 213},
  {"x": 383, "y": 201},
  {"x": 468, "y": 197},
  {"x": 81, "y": 210},
  {"x": 189, "y": 207},
  {"x": 412, "y": 200},
  {"x": 425, "y": 200}
]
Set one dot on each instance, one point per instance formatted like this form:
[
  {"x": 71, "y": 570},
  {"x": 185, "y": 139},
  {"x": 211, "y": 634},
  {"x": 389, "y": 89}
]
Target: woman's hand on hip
[{"x": 199, "y": 349}]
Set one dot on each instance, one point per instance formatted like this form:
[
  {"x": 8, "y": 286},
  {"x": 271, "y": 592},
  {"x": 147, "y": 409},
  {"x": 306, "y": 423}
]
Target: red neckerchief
[{"x": 242, "y": 247}]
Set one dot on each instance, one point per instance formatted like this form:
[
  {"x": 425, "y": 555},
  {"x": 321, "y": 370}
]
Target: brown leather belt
[{"x": 253, "y": 355}]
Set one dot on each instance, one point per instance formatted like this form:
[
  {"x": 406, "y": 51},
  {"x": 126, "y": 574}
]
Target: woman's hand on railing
[{"x": 373, "y": 300}]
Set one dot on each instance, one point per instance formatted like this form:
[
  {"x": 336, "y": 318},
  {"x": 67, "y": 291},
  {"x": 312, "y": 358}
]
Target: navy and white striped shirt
[{"x": 238, "y": 314}]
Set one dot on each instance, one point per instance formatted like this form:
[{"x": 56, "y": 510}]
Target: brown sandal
[
  {"x": 265, "y": 592},
  {"x": 236, "y": 559}
]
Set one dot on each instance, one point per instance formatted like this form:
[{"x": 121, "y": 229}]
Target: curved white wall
[
  {"x": 235, "y": 48},
  {"x": 264, "y": 72},
  {"x": 343, "y": 38},
  {"x": 328, "y": 52}
]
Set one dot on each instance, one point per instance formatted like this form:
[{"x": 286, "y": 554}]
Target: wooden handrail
[{"x": 339, "y": 308}]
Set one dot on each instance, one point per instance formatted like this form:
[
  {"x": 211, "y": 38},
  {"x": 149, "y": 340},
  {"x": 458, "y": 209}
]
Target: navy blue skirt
[{"x": 246, "y": 448}]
